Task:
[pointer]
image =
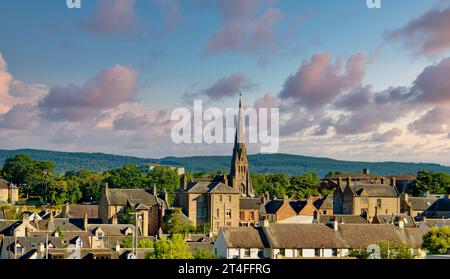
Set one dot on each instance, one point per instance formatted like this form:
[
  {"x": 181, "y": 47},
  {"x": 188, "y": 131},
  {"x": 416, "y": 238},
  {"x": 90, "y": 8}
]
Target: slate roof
[
  {"x": 250, "y": 203},
  {"x": 354, "y": 175},
  {"x": 343, "y": 218},
  {"x": 110, "y": 229},
  {"x": 79, "y": 210},
  {"x": 442, "y": 204},
  {"x": 245, "y": 237},
  {"x": 293, "y": 236},
  {"x": 324, "y": 203},
  {"x": 7, "y": 226},
  {"x": 123, "y": 197},
  {"x": 420, "y": 203},
  {"x": 216, "y": 187},
  {"x": 405, "y": 176},
  {"x": 393, "y": 219},
  {"x": 375, "y": 190},
  {"x": 30, "y": 245}
]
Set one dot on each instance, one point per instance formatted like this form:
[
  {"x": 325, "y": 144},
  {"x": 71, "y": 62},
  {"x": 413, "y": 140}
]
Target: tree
[
  {"x": 90, "y": 184},
  {"x": 394, "y": 250},
  {"x": 174, "y": 248},
  {"x": 361, "y": 253},
  {"x": 127, "y": 242},
  {"x": 176, "y": 224},
  {"x": 166, "y": 179},
  {"x": 304, "y": 186},
  {"x": 129, "y": 176},
  {"x": 437, "y": 240},
  {"x": 204, "y": 254},
  {"x": 428, "y": 181}
]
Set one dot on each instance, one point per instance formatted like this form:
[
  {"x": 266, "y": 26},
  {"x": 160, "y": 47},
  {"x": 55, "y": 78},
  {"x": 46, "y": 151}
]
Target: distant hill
[{"x": 259, "y": 163}]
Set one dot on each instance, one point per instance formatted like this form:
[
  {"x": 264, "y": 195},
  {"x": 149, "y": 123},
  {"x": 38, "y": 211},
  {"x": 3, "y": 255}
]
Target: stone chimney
[
  {"x": 383, "y": 180},
  {"x": 406, "y": 197},
  {"x": 117, "y": 248},
  {"x": 85, "y": 222},
  {"x": 335, "y": 223},
  {"x": 366, "y": 171},
  {"x": 339, "y": 182},
  {"x": 155, "y": 190},
  {"x": 349, "y": 181},
  {"x": 317, "y": 216},
  {"x": 41, "y": 249},
  {"x": 400, "y": 223},
  {"x": 263, "y": 223},
  {"x": 183, "y": 182},
  {"x": 393, "y": 182}
]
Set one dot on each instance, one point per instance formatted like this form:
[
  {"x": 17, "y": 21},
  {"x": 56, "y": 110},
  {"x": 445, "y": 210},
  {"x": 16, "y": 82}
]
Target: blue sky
[{"x": 45, "y": 43}]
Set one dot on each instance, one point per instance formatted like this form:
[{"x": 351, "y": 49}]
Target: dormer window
[
  {"x": 79, "y": 243},
  {"x": 50, "y": 245},
  {"x": 19, "y": 249},
  {"x": 99, "y": 235}
]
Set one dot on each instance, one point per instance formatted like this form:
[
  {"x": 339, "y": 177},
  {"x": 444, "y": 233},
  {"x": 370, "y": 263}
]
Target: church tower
[{"x": 239, "y": 175}]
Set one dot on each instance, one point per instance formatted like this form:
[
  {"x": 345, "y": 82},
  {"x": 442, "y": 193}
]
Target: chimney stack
[
  {"x": 339, "y": 182},
  {"x": 155, "y": 190},
  {"x": 183, "y": 182},
  {"x": 335, "y": 224},
  {"x": 393, "y": 182},
  {"x": 366, "y": 171},
  {"x": 349, "y": 181},
  {"x": 85, "y": 222},
  {"x": 263, "y": 223}
]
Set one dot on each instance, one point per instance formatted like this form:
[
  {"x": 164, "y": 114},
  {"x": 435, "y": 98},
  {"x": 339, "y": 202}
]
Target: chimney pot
[{"x": 366, "y": 171}]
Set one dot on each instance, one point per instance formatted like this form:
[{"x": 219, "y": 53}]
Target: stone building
[
  {"x": 8, "y": 192},
  {"x": 249, "y": 211},
  {"x": 216, "y": 203},
  {"x": 125, "y": 205},
  {"x": 367, "y": 200}
]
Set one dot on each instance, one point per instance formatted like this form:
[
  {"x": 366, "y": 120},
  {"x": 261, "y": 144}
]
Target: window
[
  {"x": 282, "y": 252},
  {"x": 324, "y": 212},
  {"x": 334, "y": 252},
  {"x": 378, "y": 202},
  {"x": 260, "y": 253},
  {"x": 241, "y": 215},
  {"x": 19, "y": 249},
  {"x": 228, "y": 213},
  {"x": 217, "y": 213},
  {"x": 229, "y": 198},
  {"x": 364, "y": 200},
  {"x": 100, "y": 235},
  {"x": 317, "y": 252},
  {"x": 299, "y": 252},
  {"x": 246, "y": 252},
  {"x": 252, "y": 215},
  {"x": 217, "y": 225},
  {"x": 220, "y": 198}
]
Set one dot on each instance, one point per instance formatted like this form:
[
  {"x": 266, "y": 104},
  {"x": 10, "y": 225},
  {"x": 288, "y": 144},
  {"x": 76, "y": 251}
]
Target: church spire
[{"x": 239, "y": 174}]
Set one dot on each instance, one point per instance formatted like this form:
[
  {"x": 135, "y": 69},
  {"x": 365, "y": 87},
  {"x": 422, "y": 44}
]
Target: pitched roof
[
  {"x": 420, "y": 203},
  {"x": 216, "y": 187},
  {"x": 7, "y": 226},
  {"x": 250, "y": 203},
  {"x": 324, "y": 203},
  {"x": 343, "y": 218},
  {"x": 301, "y": 236},
  {"x": 403, "y": 176},
  {"x": 394, "y": 218},
  {"x": 354, "y": 176},
  {"x": 79, "y": 210},
  {"x": 375, "y": 190},
  {"x": 245, "y": 237},
  {"x": 110, "y": 229},
  {"x": 134, "y": 196},
  {"x": 442, "y": 204}
]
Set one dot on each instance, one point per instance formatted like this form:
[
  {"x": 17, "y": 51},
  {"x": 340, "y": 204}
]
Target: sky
[{"x": 351, "y": 83}]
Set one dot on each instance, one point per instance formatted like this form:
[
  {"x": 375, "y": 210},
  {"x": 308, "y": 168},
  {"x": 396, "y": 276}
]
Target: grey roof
[
  {"x": 324, "y": 203},
  {"x": 442, "y": 204},
  {"x": 2, "y": 214},
  {"x": 420, "y": 203},
  {"x": 343, "y": 218},
  {"x": 110, "y": 229},
  {"x": 250, "y": 203},
  {"x": 7, "y": 226},
  {"x": 29, "y": 244},
  {"x": 123, "y": 197},
  {"x": 394, "y": 218},
  {"x": 79, "y": 210},
  {"x": 375, "y": 190},
  {"x": 430, "y": 223},
  {"x": 216, "y": 187},
  {"x": 245, "y": 237},
  {"x": 291, "y": 236}
]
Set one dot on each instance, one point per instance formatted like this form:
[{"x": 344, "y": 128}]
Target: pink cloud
[
  {"x": 107, "y": 90},
  {"x": 428, "y": 34}
]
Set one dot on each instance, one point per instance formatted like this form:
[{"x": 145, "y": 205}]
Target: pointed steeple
[{"x": 239, "y": 174}]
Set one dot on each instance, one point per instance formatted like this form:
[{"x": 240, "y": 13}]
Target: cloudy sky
[{"x": 351, "y": 83}]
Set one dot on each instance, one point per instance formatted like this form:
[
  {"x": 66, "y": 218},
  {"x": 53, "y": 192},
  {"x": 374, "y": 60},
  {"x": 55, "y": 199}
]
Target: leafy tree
[
  {"x": 174, "y": 248},
  {"x": 90, "y": 184},
  {"x": 204, "y": 254},
  {"x": 437, "y": 240},
  {"x": 304, "y": 186},
  {"x": 129, "y": 176},
  {"x": 428, "y": 181},
  {"x": 395, "y": 250},
  {"x": 176, "y": 224},
  {"x": 127, "y": 242},
  {"x": 166, "y": 179},
  {"x": 360, "y": 253}
]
